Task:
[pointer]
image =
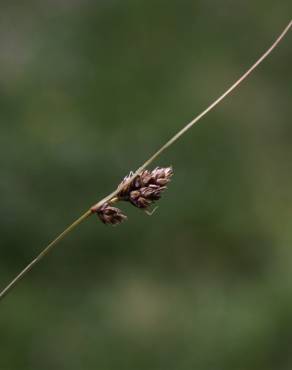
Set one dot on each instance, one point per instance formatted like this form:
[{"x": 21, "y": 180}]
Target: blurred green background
[{"x": 89, "y": 90}]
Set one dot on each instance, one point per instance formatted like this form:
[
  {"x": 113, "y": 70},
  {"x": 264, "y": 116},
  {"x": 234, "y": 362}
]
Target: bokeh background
[{"x": 89, "y": 90}]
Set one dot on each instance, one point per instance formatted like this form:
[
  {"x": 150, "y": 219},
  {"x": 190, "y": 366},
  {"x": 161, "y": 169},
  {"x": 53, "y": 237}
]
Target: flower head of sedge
[
  {"x": 146, "y": 188},
  {"x": 110, "y": 215},
  {"x": 141, "y": 191}
]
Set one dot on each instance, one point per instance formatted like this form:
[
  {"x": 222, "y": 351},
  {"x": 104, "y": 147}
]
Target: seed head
[
  {"x": 145, "y": 188},
  {"x": 110, "y": 215}
]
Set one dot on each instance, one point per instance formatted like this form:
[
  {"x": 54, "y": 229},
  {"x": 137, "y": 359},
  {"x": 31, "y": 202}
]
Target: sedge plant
[{"x": 143, "y": 187}]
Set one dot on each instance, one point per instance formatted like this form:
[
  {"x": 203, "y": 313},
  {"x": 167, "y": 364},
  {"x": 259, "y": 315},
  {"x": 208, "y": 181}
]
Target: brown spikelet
[
  {"x": 146, "y": 188},
  {"x": 110, "y": 215}
]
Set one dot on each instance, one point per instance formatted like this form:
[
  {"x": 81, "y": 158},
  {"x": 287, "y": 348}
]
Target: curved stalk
[
  {"x": 112, "y": 197},
  {"x": 43, "y": 253}
]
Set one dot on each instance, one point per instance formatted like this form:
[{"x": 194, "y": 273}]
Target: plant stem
[
  {"x": 174, "y": 138},
  {"x": 112, "y": 197},
  {"x": 217, "y": 101},
  {"x": 44, "y": 253}
]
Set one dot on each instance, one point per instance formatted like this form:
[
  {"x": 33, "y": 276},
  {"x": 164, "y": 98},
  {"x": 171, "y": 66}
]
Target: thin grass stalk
[{"x": 112, "y": 198}]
